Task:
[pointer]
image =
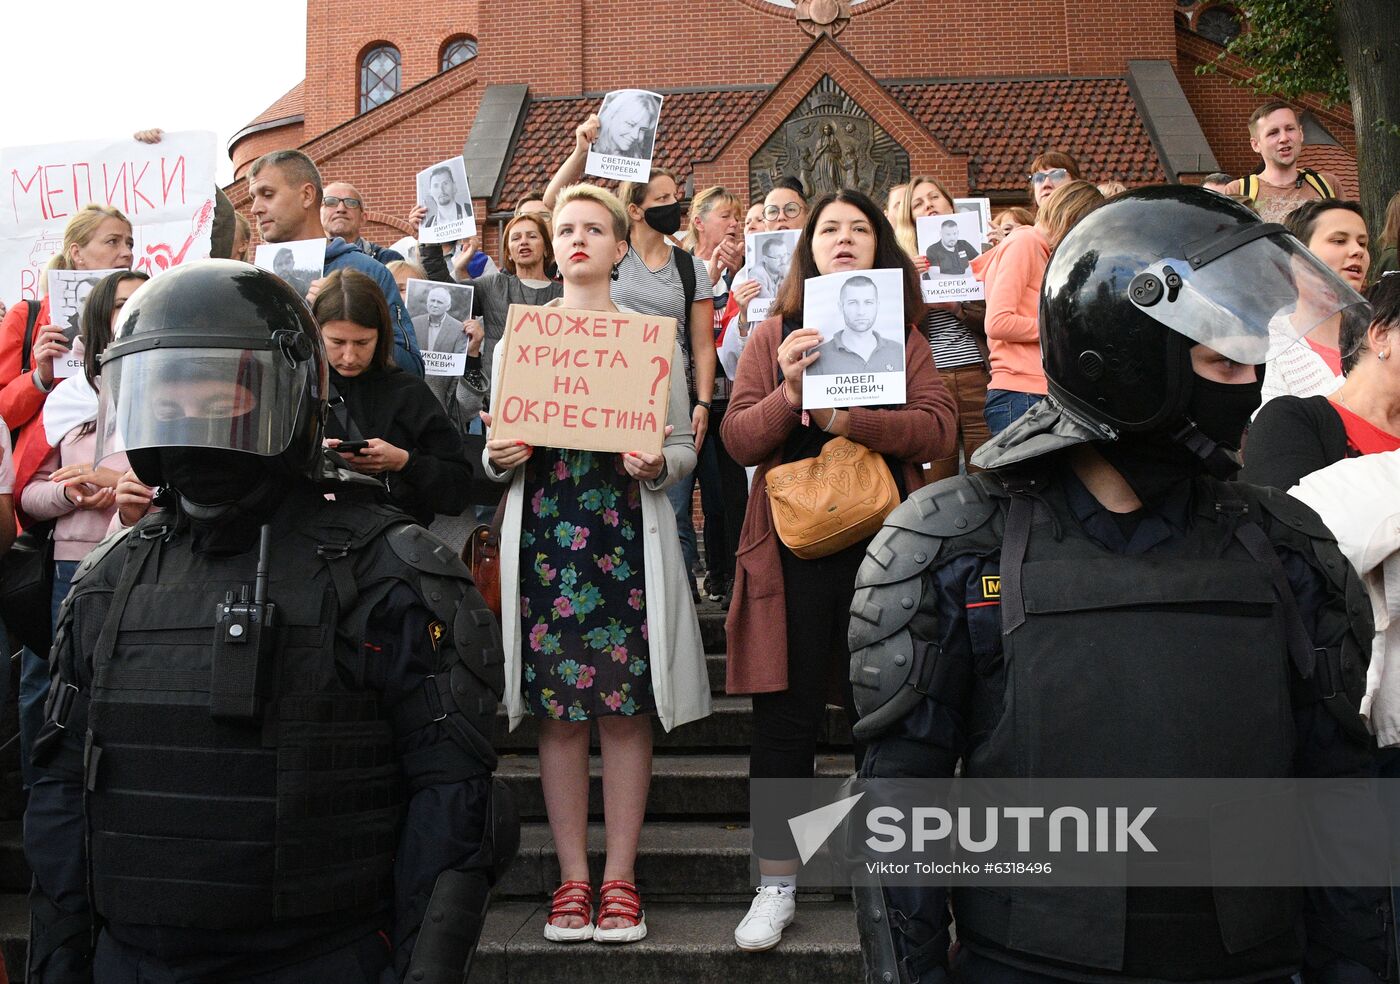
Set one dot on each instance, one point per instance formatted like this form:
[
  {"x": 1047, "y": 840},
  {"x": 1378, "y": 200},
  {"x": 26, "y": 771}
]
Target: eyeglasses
[
  {"x": 1054, "y": 174},
  {"x": 330, "y": 201},
  {"x": 792, "y": 210}
]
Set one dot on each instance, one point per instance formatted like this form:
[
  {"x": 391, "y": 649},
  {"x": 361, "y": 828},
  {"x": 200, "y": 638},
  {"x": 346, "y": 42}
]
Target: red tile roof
[
  {"x": 1336, "y": 162},
  {"x": 290, "y": 104},
  {"x": 693, "y": 126},
  {"x": 1002, "y": 125}
]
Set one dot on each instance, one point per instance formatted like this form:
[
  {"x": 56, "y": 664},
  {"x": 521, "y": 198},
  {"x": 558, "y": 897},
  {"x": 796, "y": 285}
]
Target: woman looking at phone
[{"x": 398, "y": 431}]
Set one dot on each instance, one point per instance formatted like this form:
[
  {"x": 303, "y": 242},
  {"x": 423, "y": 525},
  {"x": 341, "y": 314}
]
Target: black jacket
[
  {"x": 1292, "y": 437},
  {"x": 392, "y": 405}
]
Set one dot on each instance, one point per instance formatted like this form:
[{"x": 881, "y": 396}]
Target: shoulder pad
[
  {"x": 916, "y": 529},
  {"x": 97, "y": 553},
  {"x": 1291, "y": 512},
  {"x": 880, "y": 610},
  {"x": 424, "y": 552}
]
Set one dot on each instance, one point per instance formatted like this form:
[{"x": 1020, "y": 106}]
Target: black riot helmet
[
  {"x": 1133, "y": 287},
  {"x": 220, "y": 359}
]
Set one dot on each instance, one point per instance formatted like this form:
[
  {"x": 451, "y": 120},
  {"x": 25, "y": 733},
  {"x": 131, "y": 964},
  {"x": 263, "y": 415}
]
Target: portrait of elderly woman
[{"x": 628, "y": 124}]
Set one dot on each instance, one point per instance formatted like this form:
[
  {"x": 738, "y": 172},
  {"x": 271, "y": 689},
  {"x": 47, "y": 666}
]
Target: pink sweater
[
  {"x": 1012, "y": 274},
  {"x": 77, "y": 530}
]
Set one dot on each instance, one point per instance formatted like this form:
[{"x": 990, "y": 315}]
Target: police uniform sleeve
[
  {"x": 913, "y": 654},
  {"x": 438, "y": 653}
]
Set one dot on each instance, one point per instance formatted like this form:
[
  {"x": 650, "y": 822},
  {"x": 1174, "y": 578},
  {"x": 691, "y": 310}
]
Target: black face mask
[
  {"x": 665, "y": 219},
  {"x": 210, "y": 476},
  {"x": 1153, "y": 464},
  {"x": 1222, "y": 410}
]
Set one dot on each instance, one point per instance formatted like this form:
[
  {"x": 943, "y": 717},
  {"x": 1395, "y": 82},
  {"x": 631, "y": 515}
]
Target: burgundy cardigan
[{"x": 756, "y": 425}]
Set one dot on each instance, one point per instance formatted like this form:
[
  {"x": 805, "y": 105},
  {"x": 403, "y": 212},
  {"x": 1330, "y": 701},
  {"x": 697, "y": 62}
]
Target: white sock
[{"x": 787, "y": 884}]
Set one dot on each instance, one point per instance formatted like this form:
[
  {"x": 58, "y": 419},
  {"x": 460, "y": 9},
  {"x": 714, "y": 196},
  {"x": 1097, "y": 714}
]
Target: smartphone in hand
[{"x": 351, "y": 447}]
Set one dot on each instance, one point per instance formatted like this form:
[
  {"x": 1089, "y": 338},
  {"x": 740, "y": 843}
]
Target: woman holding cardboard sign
[
  {"x": 596, "y": 615},
  {"x": 788, "y": 621}
]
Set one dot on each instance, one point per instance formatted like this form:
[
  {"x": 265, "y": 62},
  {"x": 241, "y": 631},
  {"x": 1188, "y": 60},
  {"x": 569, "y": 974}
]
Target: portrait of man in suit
[{"x": 436, "y": 329}]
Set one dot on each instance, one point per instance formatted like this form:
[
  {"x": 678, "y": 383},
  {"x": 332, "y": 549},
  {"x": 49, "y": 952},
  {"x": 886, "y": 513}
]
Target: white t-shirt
[{"x": 7, "y": 462}]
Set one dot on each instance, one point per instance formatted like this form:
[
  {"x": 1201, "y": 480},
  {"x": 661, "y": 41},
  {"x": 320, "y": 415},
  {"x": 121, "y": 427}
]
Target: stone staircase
[{"x": 693, "y": 867}]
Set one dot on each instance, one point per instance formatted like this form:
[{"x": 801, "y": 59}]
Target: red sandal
[
  {"x": 573, "y": 898},
  {"x": 625, "y": 904}
]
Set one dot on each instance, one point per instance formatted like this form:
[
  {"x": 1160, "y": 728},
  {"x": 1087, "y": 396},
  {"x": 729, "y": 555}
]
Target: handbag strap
[{"x": 31, "y": 318}]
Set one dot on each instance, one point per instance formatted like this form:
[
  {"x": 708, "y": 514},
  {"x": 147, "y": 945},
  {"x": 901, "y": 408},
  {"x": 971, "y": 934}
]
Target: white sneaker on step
[{"x": 769, "y": 914}]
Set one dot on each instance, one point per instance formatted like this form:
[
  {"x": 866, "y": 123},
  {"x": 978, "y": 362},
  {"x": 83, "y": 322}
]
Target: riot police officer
[
  {"x": 1103, "y": 602},
  {"x": 267, "y": 755}
]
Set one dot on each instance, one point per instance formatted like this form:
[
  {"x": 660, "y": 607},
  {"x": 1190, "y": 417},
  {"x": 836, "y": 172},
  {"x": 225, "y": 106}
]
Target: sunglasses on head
[
  {"x": 1054, "y": 174},
  {"x": 330, "y": 201}
]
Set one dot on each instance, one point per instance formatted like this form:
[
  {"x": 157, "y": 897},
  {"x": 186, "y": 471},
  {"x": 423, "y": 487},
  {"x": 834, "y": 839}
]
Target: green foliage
[{"x": 1292, "y": 47}]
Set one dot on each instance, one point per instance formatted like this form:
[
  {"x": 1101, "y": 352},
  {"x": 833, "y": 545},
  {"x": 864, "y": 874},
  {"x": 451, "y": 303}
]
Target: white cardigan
[
  {"x": 1357, "y": 499},
  {"x": 679, "y": 679},
  {"x": 1297, "y": 370}
]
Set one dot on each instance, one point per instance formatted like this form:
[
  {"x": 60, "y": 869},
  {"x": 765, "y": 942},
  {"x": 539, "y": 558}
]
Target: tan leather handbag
[{"x": 824, "y": 504}]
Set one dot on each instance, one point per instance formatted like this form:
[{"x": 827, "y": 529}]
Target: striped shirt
[{"x": 952, "y": 344}]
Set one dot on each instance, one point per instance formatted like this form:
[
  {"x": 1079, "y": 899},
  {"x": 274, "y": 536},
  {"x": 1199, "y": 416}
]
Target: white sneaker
[{"x": 769, "y": 914}]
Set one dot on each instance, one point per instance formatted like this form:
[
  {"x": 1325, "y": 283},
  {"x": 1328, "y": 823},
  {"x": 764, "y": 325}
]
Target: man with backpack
[{"x": 1280, "y": 185}]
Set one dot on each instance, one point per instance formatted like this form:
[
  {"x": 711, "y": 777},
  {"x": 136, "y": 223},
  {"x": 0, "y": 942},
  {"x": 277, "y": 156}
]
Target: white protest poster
[
  {"x": 68, "y": 295},
  {"x": 443, "y": 191},
  {"x": 951, "y": 243},
  {"x": 297, "y": 262},
  {"x": 626, "y": 136},
  {"x": 166, "y": 189},
  {"x": 860, "y": 361},
  {"x": 983, "y": 207},
  {"x": 767, "y": 256},
  {"x": 439, "y": 313}
]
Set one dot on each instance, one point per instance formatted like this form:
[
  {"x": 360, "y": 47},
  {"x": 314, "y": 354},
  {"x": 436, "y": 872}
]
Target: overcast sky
[{"x": 104, "y": 70}]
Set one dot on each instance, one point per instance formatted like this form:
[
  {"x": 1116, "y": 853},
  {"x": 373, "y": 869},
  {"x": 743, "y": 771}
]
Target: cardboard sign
[
  {"x": 587, "y": 380},
  {"x": 166, "y": 189}
]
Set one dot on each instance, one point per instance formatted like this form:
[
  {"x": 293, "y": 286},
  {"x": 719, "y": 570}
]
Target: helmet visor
[
  {"x": 230, "y": 399},
  {"x": 1251, "y": 303}
]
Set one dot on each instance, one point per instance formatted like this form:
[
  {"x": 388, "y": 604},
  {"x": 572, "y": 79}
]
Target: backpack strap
[
  {"x": 686, "y": 269},
  {"x": 1318, "y": 183},
  {"x": 27, "y": 351},
  {"x": 1250, "y": 186}
]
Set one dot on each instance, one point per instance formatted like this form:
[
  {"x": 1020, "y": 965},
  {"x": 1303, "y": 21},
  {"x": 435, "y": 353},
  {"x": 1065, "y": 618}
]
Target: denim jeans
[
  {"x": 1004, "y": 408},
  {"x": 34, "y": 674},
  {"x": 681, "y": 495}
]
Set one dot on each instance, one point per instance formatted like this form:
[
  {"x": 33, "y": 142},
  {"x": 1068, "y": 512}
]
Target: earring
[
  {"x": 616, "y": 270},
  {"x": 1383, "y": 355}
]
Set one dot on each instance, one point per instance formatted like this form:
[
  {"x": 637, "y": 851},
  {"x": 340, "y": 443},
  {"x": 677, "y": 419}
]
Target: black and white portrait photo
[
  {"x": 950, "y": 243},
  {"x": 298, "y": 262},
  {"x": 443, "y": 191},
  {"x": 439, "y": 313},
  {"x": 68, "y": 294},
  {"x": 860, "y": 361},
  {"x": 626, "y": 135},
  {"x": 768, "y": 255},
  {"x": 983, "y": 208}
]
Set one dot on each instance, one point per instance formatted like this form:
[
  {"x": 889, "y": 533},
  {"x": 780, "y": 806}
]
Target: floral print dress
[{"x": 582, "y": 589}]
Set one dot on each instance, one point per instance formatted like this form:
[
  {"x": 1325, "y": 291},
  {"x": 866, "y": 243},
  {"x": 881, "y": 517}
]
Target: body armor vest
[
  {"x": 1172, "y": 664},
  {"x": 216, "y": 822}
]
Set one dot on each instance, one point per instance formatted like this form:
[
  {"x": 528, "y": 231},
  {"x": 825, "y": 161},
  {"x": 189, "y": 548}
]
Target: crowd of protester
[{"x": 583, "y": 640}]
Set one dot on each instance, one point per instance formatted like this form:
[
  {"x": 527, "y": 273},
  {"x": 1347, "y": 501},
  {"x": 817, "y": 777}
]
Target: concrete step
[
  {"x": 673, "y": 860},
  {"x": 716, "y": 665},
  {"x": 691, "y": 942},
  {"x": 14, "y": 870},
  {"x": 690, "y": 787},
  {"x": 711, "y": 618},
  {"x": 729, "y": 726},
  {"x": 14, "y": 934}
]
